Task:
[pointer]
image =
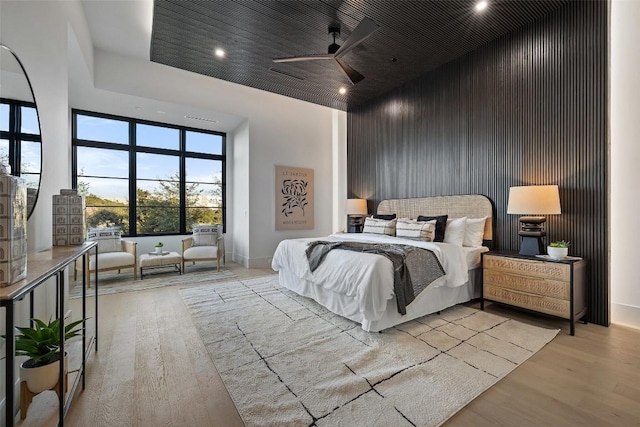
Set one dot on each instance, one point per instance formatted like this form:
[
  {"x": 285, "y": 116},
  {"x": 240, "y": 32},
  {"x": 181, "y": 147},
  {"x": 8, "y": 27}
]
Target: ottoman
[{"x": 154, "y": 261}]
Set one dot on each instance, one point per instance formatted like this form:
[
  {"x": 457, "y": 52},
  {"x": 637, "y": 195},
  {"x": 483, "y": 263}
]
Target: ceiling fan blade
[
  {"x": 304, "y": 58},
  {"x": 365, "y": 28},
  {"x": 353, "y": 75}
]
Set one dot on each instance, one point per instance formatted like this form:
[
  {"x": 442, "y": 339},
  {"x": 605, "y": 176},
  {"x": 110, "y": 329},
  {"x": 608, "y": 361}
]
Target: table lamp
[
  {"x": 535, "y": 201},
  {"x": 356, "y": 211}
]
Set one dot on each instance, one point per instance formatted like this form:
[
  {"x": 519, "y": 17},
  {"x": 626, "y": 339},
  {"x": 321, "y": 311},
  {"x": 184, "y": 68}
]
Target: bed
[{"x": 359, "y": 286}]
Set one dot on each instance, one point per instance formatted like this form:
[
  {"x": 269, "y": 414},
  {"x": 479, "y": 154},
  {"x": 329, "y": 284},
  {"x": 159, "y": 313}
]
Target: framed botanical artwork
[{"x": 294, "y": 198}]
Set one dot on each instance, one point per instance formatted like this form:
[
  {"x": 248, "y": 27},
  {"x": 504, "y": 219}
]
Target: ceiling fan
[{"x": 364, "y": 30}]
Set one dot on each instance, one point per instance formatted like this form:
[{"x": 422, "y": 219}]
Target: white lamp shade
[
  {"x": 534, "y": 200},
  {"x": 356, "y": 207}
]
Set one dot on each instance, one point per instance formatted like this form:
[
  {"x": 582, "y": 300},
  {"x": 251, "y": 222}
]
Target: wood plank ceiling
[{"x": 414, "y": 38}]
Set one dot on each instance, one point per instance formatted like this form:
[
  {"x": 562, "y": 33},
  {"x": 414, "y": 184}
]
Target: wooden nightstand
[{"x": 543, "y": 285}]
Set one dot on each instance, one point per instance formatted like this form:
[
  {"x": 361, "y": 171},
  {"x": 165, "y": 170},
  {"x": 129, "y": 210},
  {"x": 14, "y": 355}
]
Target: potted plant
[
  {"x": 41, "y": 343},
  {"x": 158, "y": 247},
  {"x": 558, "y": 249}
]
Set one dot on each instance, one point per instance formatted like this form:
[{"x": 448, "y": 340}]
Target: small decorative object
[
  {"x": 13, "y": 228},
  {"x": 41, "y": 343},
  {"x": 158, "y": 247},
  {"x": 558, "y": 249},
  {"x": 68, "y": 218},
  {"x": 294, "y": 198}
]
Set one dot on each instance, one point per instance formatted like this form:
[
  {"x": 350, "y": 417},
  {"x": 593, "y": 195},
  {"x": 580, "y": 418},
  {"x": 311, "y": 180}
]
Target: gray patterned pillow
[
  {"x": 206, "y": 234},
  {"x": 416, "y": 230},
  {"x": 380, "y": 226},
  {"x": 108, "y": 238}
]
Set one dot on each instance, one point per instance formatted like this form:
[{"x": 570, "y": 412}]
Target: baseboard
[
  {"x": 625, "y": 315},
  {"x": 247, "y": 262}
]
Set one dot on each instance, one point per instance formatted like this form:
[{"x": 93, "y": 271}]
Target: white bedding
[{"x": 364, "y": 282}]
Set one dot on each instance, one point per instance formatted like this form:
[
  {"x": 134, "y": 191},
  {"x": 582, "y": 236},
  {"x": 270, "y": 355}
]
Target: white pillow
[
  {"x": 108, "y": 238},
  {"x": 454, "y": 232},
  {"x": 416, "y": 230},
  {"x": 380, "y": 226},
  {"x": 205, "y": 234},
  {"x": 474, "y": 232}
]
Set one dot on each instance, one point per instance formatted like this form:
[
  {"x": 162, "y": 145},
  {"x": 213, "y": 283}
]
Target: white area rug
[
  {"x": 113, "y": 283},
  {"x": 288, "y": 361}
]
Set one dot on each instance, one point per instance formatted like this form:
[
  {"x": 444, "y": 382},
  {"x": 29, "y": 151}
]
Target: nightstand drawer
[
  {"x": 542, "y": 304},
  {"x": 528, "y": 284},
  {"x": 531, "y": 268}
]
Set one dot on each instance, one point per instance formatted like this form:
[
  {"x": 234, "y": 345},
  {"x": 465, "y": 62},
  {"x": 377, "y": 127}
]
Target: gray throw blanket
[{"x": 413, "y": 268}]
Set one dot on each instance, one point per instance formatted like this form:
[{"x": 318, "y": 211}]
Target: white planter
[
  {"x": 557, "y": 252},
  {"x": 42, "y": 378},
  {"x": 158, "y": 249}
]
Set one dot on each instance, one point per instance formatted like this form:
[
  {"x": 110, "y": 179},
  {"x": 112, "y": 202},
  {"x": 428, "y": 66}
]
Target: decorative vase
[
  {"x": 557, "y": 253},
  {"x": 42, "y": 378}
]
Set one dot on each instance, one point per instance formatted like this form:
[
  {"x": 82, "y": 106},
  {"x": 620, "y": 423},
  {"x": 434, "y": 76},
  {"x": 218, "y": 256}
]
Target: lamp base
[
  {"x": 355, "y": 224},
  {"x": 532, "y": 245}
]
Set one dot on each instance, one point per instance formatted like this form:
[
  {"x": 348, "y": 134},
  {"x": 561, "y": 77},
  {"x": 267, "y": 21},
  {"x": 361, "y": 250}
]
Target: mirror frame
[{"x": 33, "y": 97}]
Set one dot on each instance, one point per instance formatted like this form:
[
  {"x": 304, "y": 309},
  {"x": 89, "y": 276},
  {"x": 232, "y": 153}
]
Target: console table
[{"x": 42, "y": 266}]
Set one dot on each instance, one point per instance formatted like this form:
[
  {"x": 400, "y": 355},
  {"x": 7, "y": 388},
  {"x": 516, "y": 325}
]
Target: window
[
  {"x": 20, "y": 143},
  {"x": 148, "y": 178}
]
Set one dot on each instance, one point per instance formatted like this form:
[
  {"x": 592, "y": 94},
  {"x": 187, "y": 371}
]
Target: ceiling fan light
[{"x": 481, "y": 5}]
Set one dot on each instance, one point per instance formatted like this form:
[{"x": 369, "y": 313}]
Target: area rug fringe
[{"x": 286, "y": 360}]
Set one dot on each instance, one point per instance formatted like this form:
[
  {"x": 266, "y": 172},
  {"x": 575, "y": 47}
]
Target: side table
[{"x": 556, "y": 287}]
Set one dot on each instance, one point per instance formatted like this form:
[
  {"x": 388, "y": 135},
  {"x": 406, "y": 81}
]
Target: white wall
[
  {"x": 240, "y": 197},
  {"x": 625, "y": 158}
]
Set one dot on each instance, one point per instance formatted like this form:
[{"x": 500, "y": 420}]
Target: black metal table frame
[{"x": 9, "y": 305}]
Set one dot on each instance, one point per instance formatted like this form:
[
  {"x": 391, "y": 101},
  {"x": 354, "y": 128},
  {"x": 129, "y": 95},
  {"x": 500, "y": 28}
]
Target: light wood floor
[{"x": 152, "y": 369}]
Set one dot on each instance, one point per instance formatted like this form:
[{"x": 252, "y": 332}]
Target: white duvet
[{"x": 367, "y": 278}]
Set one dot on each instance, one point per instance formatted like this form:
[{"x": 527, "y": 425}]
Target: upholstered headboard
[{"x": 469, "y": 205}]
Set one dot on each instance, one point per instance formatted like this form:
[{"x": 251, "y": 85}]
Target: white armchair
[
  {"x": 206, "y": 244},
  {"x": 113, "y": 254}
]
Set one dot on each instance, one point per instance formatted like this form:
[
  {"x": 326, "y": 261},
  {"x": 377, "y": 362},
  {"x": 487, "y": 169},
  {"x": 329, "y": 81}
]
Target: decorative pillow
[
  {"x": 108, "y": 238},
  {"x": 454, "y": 233},
  {"x": 384, "y": 216},
  {"x": 205, "y": 234},
  {"x": 441, "y": 224},
  {"x": 416, "y": 230},
  {"x": 474, "y": 231},
  {"x": 380, "y": 226}
]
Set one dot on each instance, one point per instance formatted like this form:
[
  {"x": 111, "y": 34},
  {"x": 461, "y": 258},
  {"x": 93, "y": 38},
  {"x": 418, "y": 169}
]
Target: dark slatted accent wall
[{"x": 529, "y": 108}]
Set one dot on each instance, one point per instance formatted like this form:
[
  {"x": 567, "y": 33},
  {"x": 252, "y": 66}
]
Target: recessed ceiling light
[
  {"x": 481, "y": 5},
  {"x": 162, "y": 112},
  {"x": 342, "y": 90},
  {"x": 220, "y": 53}
]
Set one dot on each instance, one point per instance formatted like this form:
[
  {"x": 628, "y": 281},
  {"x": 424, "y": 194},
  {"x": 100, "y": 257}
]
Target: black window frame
[
  {"x": 15, "y": 136},
  {"x": 132, "y": 148}
]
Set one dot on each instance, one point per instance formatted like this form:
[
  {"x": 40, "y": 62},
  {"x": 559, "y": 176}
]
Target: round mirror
[{"x": 20, "y": 140}]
